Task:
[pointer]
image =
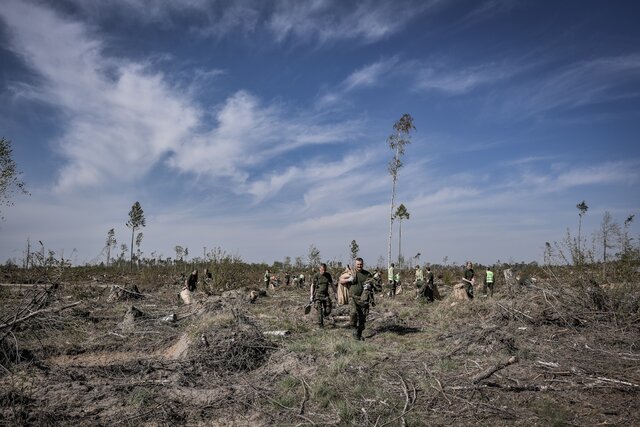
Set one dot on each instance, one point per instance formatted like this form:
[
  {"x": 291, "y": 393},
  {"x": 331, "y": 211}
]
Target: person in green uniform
[
  {"x": 431, "y": 291},
  {"x": 287, "y": 278},
  {"x": 488, "y": 282},
  {"x": 469, "y": 278},
  {"x": 192, "y": 281},
  {"x": 266, "y": 279},
  {"x": 360, "y": 286},
  {"x": 319, "y": 293}
]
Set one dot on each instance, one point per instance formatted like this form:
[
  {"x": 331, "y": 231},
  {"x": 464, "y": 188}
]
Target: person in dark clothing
[
  {"x": 360, "y": 286},
  {"x": 319, "y": 293},
  {"x": 469, "y": 278},
  {"x": 192, "y": 281}
]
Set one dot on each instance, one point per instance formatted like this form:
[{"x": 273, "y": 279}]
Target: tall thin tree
[
  {"x": 139, "y": 238},
  {"x": 609, "y": 230},
  {"x": 582, "y": 209},
  {"x": 136, "y": 220},
  {"x": 401, "y": 214},
  {"x": 626, "y": 247},
  {"x": 110, "y": 243},
  {"x": 397, "y": 140}
]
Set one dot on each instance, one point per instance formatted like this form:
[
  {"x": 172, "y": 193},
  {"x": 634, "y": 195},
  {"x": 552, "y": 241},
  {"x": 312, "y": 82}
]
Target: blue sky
[{"x": 260, "y": 126}]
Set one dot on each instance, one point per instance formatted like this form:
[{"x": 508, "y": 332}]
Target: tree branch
[{"x": 37, "y": 312}]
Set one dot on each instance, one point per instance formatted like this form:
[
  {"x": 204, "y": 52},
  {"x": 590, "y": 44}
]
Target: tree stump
[
  {"x": 130, "y": 318},
  {"x": 460, "y": 292},
  {"x": 118, "y": 293}
]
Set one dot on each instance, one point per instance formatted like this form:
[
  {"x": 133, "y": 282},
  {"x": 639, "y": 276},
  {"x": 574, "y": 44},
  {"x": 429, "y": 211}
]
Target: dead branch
[
  {"x": 37, "y": 312},
  {"x": 492, "y": 370},
  {"x": 516, "y": 389},
  {"x": 305, "y": 398},
  {"x": 408, "y": 403},
  {"x": 610, "y": 380},
  {"x": 268, "y": 397},
  {"x": 441, "y": 389},
  {"x": 517, "y": 311}
]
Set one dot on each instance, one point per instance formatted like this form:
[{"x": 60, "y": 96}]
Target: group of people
[
  {"x": 362, "y": 286},
  {"x": 469, "y": 280},
  {"x": 271, "y": 280}
]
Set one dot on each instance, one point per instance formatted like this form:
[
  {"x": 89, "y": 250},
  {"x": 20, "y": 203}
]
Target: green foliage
[
  {"x": 397, "y": 141},
  {"x": 9, "y": 182},
  {"x": 136, "y": 220},
  {"x": 401, "y": 214},
  {"x": 313, "y": 256},
  {"x": 354, "y": 248}
]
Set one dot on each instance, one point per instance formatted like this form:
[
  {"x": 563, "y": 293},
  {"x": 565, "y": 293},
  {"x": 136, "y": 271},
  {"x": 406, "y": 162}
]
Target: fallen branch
[
  {"x": 37, "y": 312},
  {"x": 517, "y": 311},
  {"x": 304, "y": 399},
  {"x": 408, "y": 404},
  {"x": 513, "y": 388},
  {"x": 610, "y": 380},
  {"x": 134, "y": 293},
  {"x": 492, "y": 370}
]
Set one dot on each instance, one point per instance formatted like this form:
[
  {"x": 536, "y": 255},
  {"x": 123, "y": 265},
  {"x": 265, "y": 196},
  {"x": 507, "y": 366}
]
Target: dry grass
[{"x": 561, "y": 352}]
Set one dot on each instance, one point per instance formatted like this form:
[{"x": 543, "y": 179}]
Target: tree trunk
[
  {"x": 393, "y": 196},
  {"x": 400, "y": 243},
  {"x": 133, "y": 230}
]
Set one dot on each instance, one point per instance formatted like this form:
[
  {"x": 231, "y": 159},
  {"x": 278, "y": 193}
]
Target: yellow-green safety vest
[{"x": 489, "y": 276}]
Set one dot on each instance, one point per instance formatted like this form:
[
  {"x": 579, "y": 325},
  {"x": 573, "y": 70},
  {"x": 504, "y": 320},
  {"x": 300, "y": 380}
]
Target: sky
[{"x": 260, "y": 127}]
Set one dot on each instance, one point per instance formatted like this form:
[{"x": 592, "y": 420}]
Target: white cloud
[
  {"x": 455, "y": 82},
  {"x": 315, "y": 21},
  {"x": 120, "y": 118},
  {"x": 328, "y": 20},
  {"x": 561, "y": 178},
  {"x": 607, "y": 173},
  {"x": 249, "y": 134},
  {"x": 579, "y": 84},
  {"x": 369, "y": 75}
]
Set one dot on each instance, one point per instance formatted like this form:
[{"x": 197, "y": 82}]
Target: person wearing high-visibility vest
[{"x": 488, "y": 282}]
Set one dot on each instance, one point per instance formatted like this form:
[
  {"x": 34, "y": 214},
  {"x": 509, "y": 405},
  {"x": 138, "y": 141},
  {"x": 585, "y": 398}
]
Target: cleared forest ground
[{"x": 553, "y": 353}]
